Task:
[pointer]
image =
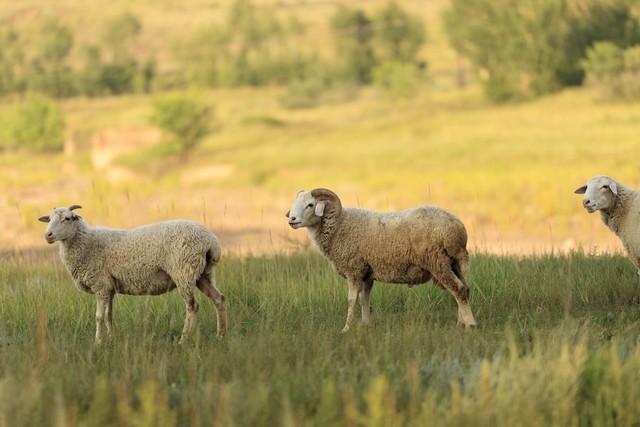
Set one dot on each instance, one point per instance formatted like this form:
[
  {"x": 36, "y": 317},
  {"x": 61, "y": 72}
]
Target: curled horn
[
  {"x": 326, "y": 194},
  {"x": 72, "y": 207}
]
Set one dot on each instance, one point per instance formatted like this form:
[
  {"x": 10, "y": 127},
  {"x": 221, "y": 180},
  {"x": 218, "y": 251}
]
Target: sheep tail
[
  {"x": 214, "y": 253},
  {"x": 461, "y": 264}
]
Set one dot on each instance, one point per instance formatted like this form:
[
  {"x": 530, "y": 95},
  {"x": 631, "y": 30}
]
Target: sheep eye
[
  {"x": 310, "y": 205},
  {"x": 606, "y": 187}
]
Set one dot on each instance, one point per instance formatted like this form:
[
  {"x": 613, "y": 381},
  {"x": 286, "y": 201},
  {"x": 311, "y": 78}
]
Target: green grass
[
  {"x": 557, "y": 344},
  {"x": 507, "y": 171}
]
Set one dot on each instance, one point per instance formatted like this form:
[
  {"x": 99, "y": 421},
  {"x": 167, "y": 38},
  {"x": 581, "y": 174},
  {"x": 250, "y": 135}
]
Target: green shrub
[
  {"x": 604, "y": 64},
  {"x": 117, "y": 79},
  {"x": 35, "y": 123},
  {"x": 613, "y": 71},
  {"x": 397, "y": 79},
  {"x": 186, "y": 118}
]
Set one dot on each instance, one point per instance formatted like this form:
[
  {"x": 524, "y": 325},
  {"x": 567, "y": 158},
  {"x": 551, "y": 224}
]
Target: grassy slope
[
  {"x": 507, "y": 171},
  {"x": 556, "y": 343}
]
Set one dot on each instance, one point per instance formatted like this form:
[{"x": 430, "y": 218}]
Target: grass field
[
  {"x": 558, "y": 343},
  {"x": 507, "y": 171}
]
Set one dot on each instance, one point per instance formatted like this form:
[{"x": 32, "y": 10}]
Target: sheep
[
  {"x": 619, "y": 209},
  {"x": 408, "y": 247},
  {"x": 147, "y": 260}
]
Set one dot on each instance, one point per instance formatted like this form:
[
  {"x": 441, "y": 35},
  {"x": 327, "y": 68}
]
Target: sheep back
[
  {"x": 390, "y": 246},
  {"x": 145, "y": 260}
]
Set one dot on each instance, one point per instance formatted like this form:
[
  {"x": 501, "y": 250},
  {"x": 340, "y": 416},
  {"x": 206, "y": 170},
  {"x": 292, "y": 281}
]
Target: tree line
[
  {"x": 518, "y": 49},
  {"x": 252, "y": 46}
]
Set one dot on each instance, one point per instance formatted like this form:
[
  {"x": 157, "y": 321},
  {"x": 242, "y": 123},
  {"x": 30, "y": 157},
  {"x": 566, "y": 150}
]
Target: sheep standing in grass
[
  {"x": 410, "y": 247},
  {"x": 147, "y": 260},
  {"x": 619, "y": 209}
]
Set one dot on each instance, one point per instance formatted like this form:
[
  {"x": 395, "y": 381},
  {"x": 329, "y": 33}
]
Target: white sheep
[
  {"x": 619, "y": 209},
  {"x": 410, "y": 247},
  {"x": 147, "y": 260}
]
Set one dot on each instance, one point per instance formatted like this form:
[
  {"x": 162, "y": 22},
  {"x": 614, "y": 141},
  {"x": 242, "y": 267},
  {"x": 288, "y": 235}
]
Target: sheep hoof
[
  {"x": 344, "y": 330},
  {"x": 467, "y": 326}
]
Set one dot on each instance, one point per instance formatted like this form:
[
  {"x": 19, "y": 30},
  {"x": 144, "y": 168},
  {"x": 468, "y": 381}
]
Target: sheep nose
[
  {"x": 48, "y": 235},
  {"x": 292, "y": 219},
  {"x": 586, "y": 202}
]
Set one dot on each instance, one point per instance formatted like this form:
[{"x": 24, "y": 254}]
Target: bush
[
  {"x": 117, "y": 79},
  {"x": 186, "y": 118},
  {"x": 614, "y": 71},
  {"x": 35, "y": 123},
  {"x": 397, "y": 79}
]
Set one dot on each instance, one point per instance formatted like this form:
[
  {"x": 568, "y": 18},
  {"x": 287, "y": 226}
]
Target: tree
[
  {"x": 11, "y": 62},
  {"x": 398, "y": 36},
  {"x": 352, "y": 33},
  {"x": 187, "y": 118},
  {"x": 533, "y": 47},
  {"x": 119, "y": 34},
  {"x": 49, "y": 71}
]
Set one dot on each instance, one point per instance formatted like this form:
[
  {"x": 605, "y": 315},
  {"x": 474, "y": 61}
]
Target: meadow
[
  {"x": 507, "y": 171},
  {"x": 558, "y": 341},
  {"x": 557, "y": 344}
]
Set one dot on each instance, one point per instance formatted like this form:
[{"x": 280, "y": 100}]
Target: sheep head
[
  {"x": 311, "y": 206},
  {"x": 63, "y": 223},
  {"x": 600, "y": 193}
]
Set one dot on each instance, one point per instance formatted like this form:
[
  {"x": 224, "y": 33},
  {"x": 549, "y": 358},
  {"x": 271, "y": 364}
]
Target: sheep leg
[
  {"x": 207, "y": 286},
  {"x": 186, "y": 292},
  {"x": 354, "y": 290},
  {"x": 364, "y": 302},
  {"x": 447, "y": 278},
  {"x": 108, "y": 308},
  {"x": 101, "y": 302}
]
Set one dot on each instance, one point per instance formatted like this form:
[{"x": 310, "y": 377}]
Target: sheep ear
[
  {"x": 44, "y": 218},
  {"x": 320, "y": 208},
  {"x": 613, "y": 187},
  {"x": 72, "y": 207},
  {"x": 287, "y": 214},
  {"x": 581, "y": 190}
]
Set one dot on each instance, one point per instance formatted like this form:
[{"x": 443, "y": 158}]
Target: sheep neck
[
  {"x": 77, "y": 245},
  {"x": 613, "y": 216},
  {"x": 323, "y": 233}
]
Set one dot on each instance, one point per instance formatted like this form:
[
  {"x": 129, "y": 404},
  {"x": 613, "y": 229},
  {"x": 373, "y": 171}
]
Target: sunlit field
[
  {"x": 557, "y": 344},
  {"x": 383, "y": 102},
  {"x": 507, "y": 171}
]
